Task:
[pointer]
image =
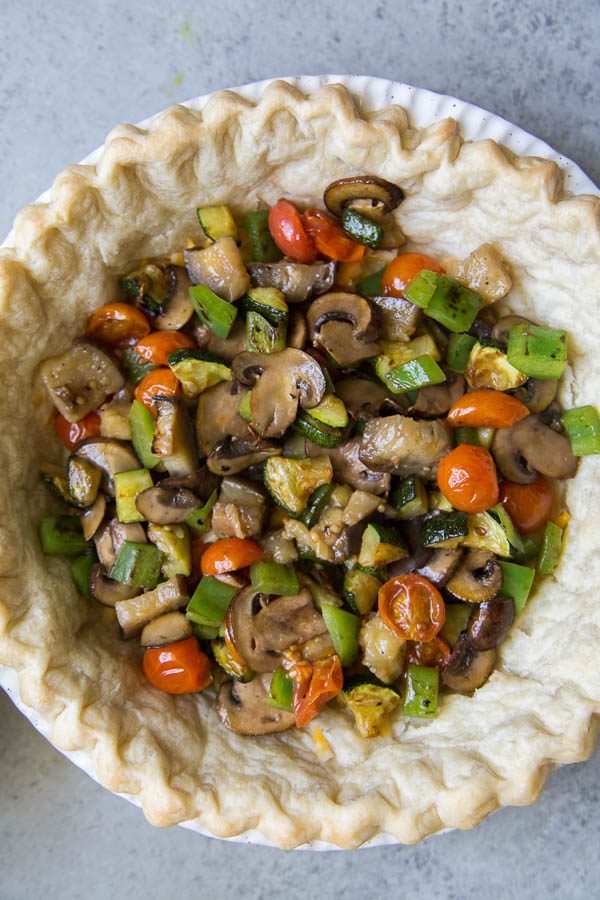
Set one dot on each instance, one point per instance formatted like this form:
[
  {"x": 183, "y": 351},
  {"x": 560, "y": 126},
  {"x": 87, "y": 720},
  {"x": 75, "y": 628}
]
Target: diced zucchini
[
  {"x": 268, "y": 302},
  {"x": 209, "y": 601},
  {"x": 138, "y": 565},
  {"x": 319, "y": 594},
  {"x": 148, "y": 287},
  {"x": 437, "y": 500},
  {"x": 422, "y": 686},
  {"x": 393, "y": 355},
  {"x": 127, "y": 486},
  {"x": 264, "y": 248},
  {"x": 142, "y": 434},
  {"x": 330, "y": 411},
  {"x": 371, "y": 703},
  {"x": 83, "y": 481},
  {"x": 281, "y": 691},
  {"x": 217, "y": 222},
  {"x": 445, "y": 529},
  {"x": 318, "y": 432},
  {"x": 489, "y": 367},
  {"x": 198, "y": 370},
  {"x": 409, "y": 497},
  {"x": 343, "y": 628},
  {"x": 360, "y": 590},
  {"x": 213, "y": 311},
  {"x": 316, "y": 504},
  {"x": 262, "y": 336},
  {"x": 175, "y": 544},
  {"x": 362, "y": 229},
  {"x": 485, "y": 533},
  {"x": 291, "y": 481},
  {"x": 233, "y": 668},
  {"x": 381, "y": 545},
  {"x": 515, "y": 540},
  {"x": 245, "y": 410},
  {"x": 370, "y": 285}
]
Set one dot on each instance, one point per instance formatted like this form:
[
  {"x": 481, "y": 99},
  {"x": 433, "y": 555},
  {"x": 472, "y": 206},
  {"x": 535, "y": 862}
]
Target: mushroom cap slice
[
  {"x": 501, "y": 328},
  {"x": 220, "y": 267},
  {"x": 349, "y": 468},
  {"x": 398, "y": 317},
  {"x": 165, "y": 505},
  {"x": 107, "y": 591},
  {"x": 280, "y": 382},
  {"x": 537, "y": 394},
  {"x": 92, "y": 518},
  {"x": 109, "y": 455},
  {"x": 530, "y": 447},
  {"x": 80, "y": 379},
  {"x": 362, "y": 397},
  {"x": 298, "y": 281},
  {"x": 245, "y": 708},
  {"x": 217, "y": 417},
  {"x": 177, "y": 309},
  {"x": 405, "y": 446},
  {"x": 441, "y": 566},
  {"x": 468, "y": 668},
  {"x": 490, "y": 622},
  {"x": 362, "y": 187},
  {"x": 344, "y": 325},
  {"x": 437, "y": 399},
  {"x": 166, "y": 629},
  {"x": 478, "y": 578},
  {"x": 232, "y": 457}
]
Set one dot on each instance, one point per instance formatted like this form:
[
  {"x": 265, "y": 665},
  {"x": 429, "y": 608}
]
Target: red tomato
[
  {"x": 401, "y": 271},
  {"x": 158, "y": 383},
  {"x": 412, "y": 607},
  {"x": 72, "y": 433},
  {"x": 330, "y": 239},
  {"x": 315, "y": 684},
  {"x": 487, "y": 409},
  {"x": 230, "y": 554},
  {"x": 179, "y": 668},
  {"x": 287, "y": 228},
  {"x": 528, "y": 505},
  {"x": 118, "y": 325},
  {"x": 467, "y": 478},
  {"x": 430, "y": 653},
  {"x": 157, "y": 346}
]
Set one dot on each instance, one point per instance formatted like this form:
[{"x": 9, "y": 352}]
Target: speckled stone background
[{"x": 69, "y": 71}]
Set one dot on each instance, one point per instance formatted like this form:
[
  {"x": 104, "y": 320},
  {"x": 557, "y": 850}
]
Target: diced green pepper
[
  {"x": 422, "y": 288},
  {"x": 61, "y": 536},
  {"x": 137, "y": 564},
  {"x": 142, "y": 434},
  {"x": 361, "y": 228},
  {"x": 136, "y": 367},
  {"x": 537, "y": 351},
  {"x": 422, "y": 686},
  {"x": 256, "y": 226},
  {"x": 316, "y": 504},
  {"x": 551, "y": 549},
  {"x": 80, "y": 573},
  {"x": 459, "y": 350},
  {"x": 447, "y": 301},
  {"x": 213, "y": 311},
  {"x": 197, "y": 519},
  {"x": 330, "y": 411},
  {"x": 320, "y": 595},
  {"x": 370, "y": 285},
  {"x": 209, "y": 602},
  {"x": 418, "y": 373},
  {"x": 582, "y": 424},
  {"x": 281, "y": 692},
  {"x": 343, "y": 630},
  {"x": 517, "y": 583},
  {"x": 270, "y": 577},
  {"x": 530, "y": 550}
]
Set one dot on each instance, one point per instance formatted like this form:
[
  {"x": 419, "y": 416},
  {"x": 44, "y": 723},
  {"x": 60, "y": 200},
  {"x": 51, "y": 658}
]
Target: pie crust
[{"x": 538, "y": 708}]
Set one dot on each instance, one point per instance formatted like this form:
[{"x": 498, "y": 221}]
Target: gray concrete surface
[{"x": 68, "y": 72}]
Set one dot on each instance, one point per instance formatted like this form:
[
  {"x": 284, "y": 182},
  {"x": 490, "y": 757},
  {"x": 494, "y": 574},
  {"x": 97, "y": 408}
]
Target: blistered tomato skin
[
  {"x": 179, "y": 668},
  {"x": 412, "y": 607},
  {"x": 487, "y": 409},
  {"x": 528, "y": 505},
  {"x": 401, "y": 271},
  {"x": 72, "y": 433},
  {"x": 118, "y": 325},
  {"x": 467, "y": 478},
  {"x": 288, "y": 232}
]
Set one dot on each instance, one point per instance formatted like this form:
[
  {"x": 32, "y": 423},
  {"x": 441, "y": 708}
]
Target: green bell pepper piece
[
  {"x": 80, "y": 573},
  {"x": 551, "y": 549},
  {"x": 343, "y": 630},
  {"x": 459, "y": 350},
  {"x": 514, "y": 538},
  {"x": 270, "y": 577},
  {"x": 537, "y": 351},
  {"x": 447, "y": 301},
  {"x": 415, "y": 374},
  {"x": 197, "y": 518},
  {"x": 61, "y": 536},
  {"x": 370, "y": 285},
  {"x": 213, "y": 311},
  {"x": 466, "y": 435},
  {"x": 281, "y": 692},
  {"x": 209, "y": 602},
  {"x": 517, "y": 583},
  {"x": 582, "y": 424},
  {"x": 137, "y": 564},
  {"x": 422, "y": 686},
  {"x": 256, "y": 226}
]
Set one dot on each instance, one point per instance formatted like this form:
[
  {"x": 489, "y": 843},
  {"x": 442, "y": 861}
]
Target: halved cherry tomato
[
  {"x": 315, "y": 684},
  {"x": 435, "y": 653},
  {"x": 230, "y": 554},
  {"x": 487, "y": 409},
  {"x": 528, "y": 505},
  {"x": 158, "y": 383},
  {"x": 330, "y": 239},
  {"x": 287, "y": 228},
  {"x": 401, "y": 271},
  {"x": 412, "y": 607},
  {"x": 71, "y": 433},
  {"x": 467, "y": 478},
  {"x": 179, "y": 668},
  {"x": 157, "y": 346},
  {"x": 118, "y": 324}
]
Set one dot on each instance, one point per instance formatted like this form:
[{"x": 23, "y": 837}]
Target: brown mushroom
[
  {"x": 468, "y": 668},
  {"x": 240, "y": 509},
  {"x": 349, "y": 468},
  {"x": 342, "y": 192},
  {"x": 245, "y": 708},
  {"x": 405, "y": 446},
  {"x": 501, "y": 329},
  {"x": 231, "y": 457},
  {"x": 134, "y": 614},
  {"x": 490, "y": 622},
  {"x": 110, "y": 537},
  {"x": 478, "y": 578},
  {"x": 80, "y": 379},
  {"x": 441, "y": 566},
  {"x": 107, "y": 591},
  {"x": 165, "y": 505},
  {"x": 220, "y": 267},
  {"x": 92, "y": 518},
  {"x": 166, "y": 629},
  {"x": 217, "y": 416},
  {"x": 537, "y": 394},
  {"x": 345, "y": 326},
  {"x": 227, "y": 348},
  {"x": 297, "y": 336},
  {"x": 109, "y": 455},
  {"x": 298, "y": 282},
  {"x": 530, "y": 447},
  {"x": 176, "y": 309},
  {"x": 281, "y": 381},
  {"x": 398, "y": 318},
  {"x": 437, "y": 399},
  {"x": 362, "y": 397}
]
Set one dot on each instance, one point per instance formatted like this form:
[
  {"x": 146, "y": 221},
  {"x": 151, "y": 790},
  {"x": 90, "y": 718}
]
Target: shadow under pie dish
[{"x": 492, "y": 748}]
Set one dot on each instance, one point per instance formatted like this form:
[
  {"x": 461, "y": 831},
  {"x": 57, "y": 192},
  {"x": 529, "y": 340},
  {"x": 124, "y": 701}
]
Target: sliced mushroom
[
  {"x": 281, "y": 381},
  {"x": 110, "y": 537},
  {"x": 109, "y": 455},
  {"x": 342, "y": 192},
  {"x": 441, "y": 566},
  {"x": 114, "y": 416},
  {"x": 349, "y": 468},
  {"x": 345, "y": 326},
  {"x": 173, "y": 436},
  {"x": 240, "y": 509},
  {"x": 478, "y": 578},
  {"x": 362, "y": 397},
  {"x": 245, "y": 708},
  {"x": 167, "y": 629},
  {"x": 405, "y": 446},
  {"x": 437, "y": 399},
  {"x": 490, "y": 622},
  {"x": 537, "y": 394},
  {"x": 233, "y": 457},
  {"x": 165, "y": 505},
  {"x": 220, "y": 267},
  {"x": 217, "y": 417},
  {"x": 229, "y": 347},
  {"x": 92, "y": 518},
  {"x": 398, "y": 318},
  {"x": 501, "y": 329},
  {"x": 105, "y": 549},
  {"x": 417, "y": 560},
  {"x": 530, "y": 447},
  {"x": 468, "y": 668},
  {"x": 298, "y": 282},
  {"x": 260, "y": 633},
  {"x": 177, "y": 309},
  {"x": 482, "y": 271},
  {"x": 134, "y": 614},
  {"x": 107, "y": 591},
  {"x": 297, "y": 336},
  {"x": 80, "y": 379}
]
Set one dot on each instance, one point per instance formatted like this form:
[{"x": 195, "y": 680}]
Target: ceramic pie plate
[{"x": 424, "y": 108}]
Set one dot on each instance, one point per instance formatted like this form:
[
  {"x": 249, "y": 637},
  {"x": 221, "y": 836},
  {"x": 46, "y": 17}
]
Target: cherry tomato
[
  {"x": 179, "y": 668},
  {"x": 315, "y": 684},
  {"x": 287, "y": 228},
  {"x": 435, "y": 653},
  {"x": 118, "y": 325},
  {"x": 467, "y": 478},
  {"x": 401, "y": 271},
  {"x": 71, "y": 433},
  {"x": 412, "y": 607},
  {"x": 330, "y": 239},
  {"x": 198, "y": 548},
  {"x": 528, "y": 505},
  {"x": 487, "y": 409},
  {"x": 157, "y": 346},
  {"x": 230, "y": 554},
  {"x": 158, "y": 383}
]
